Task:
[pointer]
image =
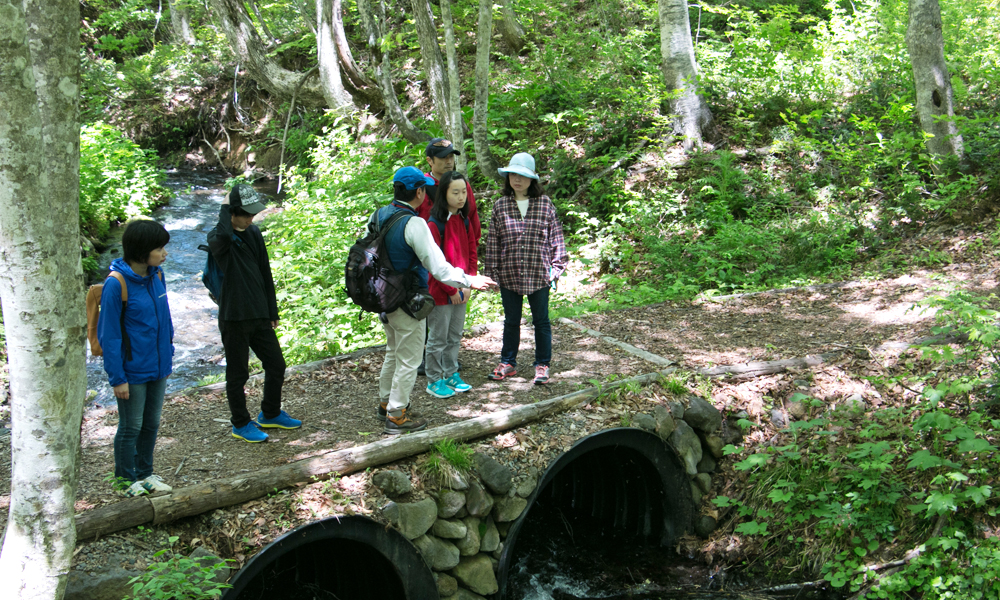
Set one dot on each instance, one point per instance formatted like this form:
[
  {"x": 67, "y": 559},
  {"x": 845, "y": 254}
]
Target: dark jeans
[
  {"x": 513, "y": 303},
  {"x": 138, "y": 423},
  {"x": 238, "y": 338}
]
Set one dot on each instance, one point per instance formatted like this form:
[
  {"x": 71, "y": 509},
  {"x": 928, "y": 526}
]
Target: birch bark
[
  {"x": 454, "y": 130},
  {"x": 484, "y": 33},
  {"x": 680, "y": 73},
  {"x": 935, "y": 98},
  {"x": 41, "y": 288}
]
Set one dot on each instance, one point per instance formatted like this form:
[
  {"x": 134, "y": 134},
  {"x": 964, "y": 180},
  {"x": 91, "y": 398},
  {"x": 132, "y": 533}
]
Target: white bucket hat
[{"x": 521, "y": 163}]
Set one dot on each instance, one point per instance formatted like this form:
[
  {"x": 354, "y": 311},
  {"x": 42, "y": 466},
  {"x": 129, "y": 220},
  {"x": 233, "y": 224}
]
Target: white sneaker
[
  {"x": 154, "y": 483},
  {"x": 136, "y": 489}
]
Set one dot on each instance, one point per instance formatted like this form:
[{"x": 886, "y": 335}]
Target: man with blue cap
[{"x": 410, "y": 246}]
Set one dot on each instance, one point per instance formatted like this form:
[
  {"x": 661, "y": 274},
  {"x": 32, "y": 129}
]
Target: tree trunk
[
  {"x": 430, "y": 54},
  {"x": 250, "y": 51},
  {"x": 180, "y": 21},
  {"x": 272, "y": 41},
  {"x": 359, "y": 85},
  {"x": 201, "y": 498},
  {"x": 935, "y": 99},
  {"x": 372, "y": 22},
  {"x": 336, "y": 96},
  {"x": 510, "y": 28},
  {"x": 484, "y": 33},
  {"x": 454, "y": 130},
  {"x": 41, "y": 289},
  {"x": 680, "y": 73}
]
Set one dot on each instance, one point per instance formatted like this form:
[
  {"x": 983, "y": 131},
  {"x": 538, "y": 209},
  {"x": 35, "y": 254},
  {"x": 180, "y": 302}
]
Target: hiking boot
[
  {"x": 282, "y": 421},
  {"x": 439, "y": 389},
  {"x": 502, "y": 372},
  {"x": 136, "y": 489},
  {"x": 249, "y": 433},
  {"x": 154, "y": 483},
  {"x": 402, "y": 424},
  {"x": 383, "y": 409},
  {"x": 455, "y": 382}
]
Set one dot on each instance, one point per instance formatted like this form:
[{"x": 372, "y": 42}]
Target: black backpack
[
  {"x": 371, "y": 281},
  {"x": 212, "y": 275}
]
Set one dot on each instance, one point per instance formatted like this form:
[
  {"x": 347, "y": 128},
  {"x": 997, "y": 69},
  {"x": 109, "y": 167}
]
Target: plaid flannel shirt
[{"x": 524, "y": 255}]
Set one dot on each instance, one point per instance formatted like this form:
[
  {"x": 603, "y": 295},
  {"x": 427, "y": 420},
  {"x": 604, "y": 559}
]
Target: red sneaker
[
  {"x": 541, "y": 374},
  {"x": 502, "y": 372}
]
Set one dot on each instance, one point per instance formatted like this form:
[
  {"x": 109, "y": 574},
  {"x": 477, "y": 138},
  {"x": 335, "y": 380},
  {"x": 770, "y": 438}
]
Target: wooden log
[
  {"x": 197, "y": 499},
  {"x": 113, "y": 517}
]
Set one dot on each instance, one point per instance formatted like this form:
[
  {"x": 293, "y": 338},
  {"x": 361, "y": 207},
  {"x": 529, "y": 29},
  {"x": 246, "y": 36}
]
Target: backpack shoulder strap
[
  {"x": 121, "y": 280},
  {"x": 440, "y": 228}
]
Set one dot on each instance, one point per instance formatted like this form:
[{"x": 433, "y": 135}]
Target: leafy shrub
[
  {"x": 118, "y": 180},
  {"x": 177, "y": 577}
]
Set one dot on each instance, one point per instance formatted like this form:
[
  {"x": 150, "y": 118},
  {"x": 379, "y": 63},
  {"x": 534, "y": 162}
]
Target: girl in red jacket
[{"x": 449, "y": 224}]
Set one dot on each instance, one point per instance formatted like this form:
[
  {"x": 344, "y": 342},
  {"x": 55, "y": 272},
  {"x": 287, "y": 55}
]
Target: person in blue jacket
[{"x": 138, "y": 351}]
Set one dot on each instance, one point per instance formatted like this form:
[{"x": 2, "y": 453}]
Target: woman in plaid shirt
[{"x": 525, "y": 254}]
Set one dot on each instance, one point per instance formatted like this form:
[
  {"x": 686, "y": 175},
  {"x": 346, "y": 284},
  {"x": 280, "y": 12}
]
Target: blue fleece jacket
[{"x": 147, "y": 322}]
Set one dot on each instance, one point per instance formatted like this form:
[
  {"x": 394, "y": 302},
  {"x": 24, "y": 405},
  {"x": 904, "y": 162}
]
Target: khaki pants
[{"x": 404, "y": 348}]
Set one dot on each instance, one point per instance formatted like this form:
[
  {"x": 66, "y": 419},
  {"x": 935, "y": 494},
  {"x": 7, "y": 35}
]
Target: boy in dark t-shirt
[{"x": 248, "y": 314}]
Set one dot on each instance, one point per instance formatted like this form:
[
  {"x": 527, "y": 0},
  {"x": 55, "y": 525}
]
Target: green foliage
[
  {"x": 446, "y": 458},
  {"x": 177, "y": 577},
  {"x": 118, "y": 180}
]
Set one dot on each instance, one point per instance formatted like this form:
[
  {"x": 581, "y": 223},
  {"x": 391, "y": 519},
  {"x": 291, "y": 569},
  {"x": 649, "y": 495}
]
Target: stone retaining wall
[{"x": 460, "y": 528}]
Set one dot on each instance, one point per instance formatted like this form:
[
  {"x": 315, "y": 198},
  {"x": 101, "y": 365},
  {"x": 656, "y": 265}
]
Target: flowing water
[{"x": 192, "y": 212}]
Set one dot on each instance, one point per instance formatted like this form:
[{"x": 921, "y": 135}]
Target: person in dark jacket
[
  {"x": 138, "y": 351},
  {"x": 248, "y": 314}
]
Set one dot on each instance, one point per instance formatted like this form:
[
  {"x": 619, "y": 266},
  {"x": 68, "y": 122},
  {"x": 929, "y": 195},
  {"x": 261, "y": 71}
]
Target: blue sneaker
[
  {"x": 455, "y": 382},
  {"x": 282, "y": 421},
  {"x": 249, "y": 433},
  {"x": 439, "y": 389}
]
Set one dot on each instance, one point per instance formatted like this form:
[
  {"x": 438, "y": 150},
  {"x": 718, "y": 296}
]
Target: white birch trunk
[
  {"x": 484, "y": 33},
  {"x": 453, "y": 131},
  {"x": 180, "y": 23},
  {"x": 41, "y": 289},
  {"x": 430, "y": 54},
  {"x": 336, "y": 96},
  {"x": 680, "y": 73},
  {"x": 935, "y": 98},
  {"x": 510, "y": 28}
]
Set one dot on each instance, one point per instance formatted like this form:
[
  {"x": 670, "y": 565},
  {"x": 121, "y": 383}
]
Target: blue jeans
[
  {"x": 138, "y": 423},
  {"x": 513, "y": 304}
]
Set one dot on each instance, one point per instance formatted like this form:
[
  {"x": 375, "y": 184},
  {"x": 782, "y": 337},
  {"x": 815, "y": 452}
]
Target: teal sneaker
[
  {"x": 249, "y": 433},
  {"x": 455, "y": 382},
  {"x": 282, "y": 421},
  {"x": 439, "y": 389}
]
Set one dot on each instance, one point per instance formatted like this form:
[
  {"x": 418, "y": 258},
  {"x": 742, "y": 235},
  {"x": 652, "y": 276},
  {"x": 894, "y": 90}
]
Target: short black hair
[
  {"x": 141, "y": 237},
  {"x": 400, "y": 193},
  {"x": 440, "y": 208},
  {"x": 237, "y": 211},
  {"x": 535, "y": 190}
]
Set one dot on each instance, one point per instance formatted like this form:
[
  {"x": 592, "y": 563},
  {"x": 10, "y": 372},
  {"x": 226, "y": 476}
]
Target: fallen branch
[
  {"x": 197, "y": 499},
  {"x": 756, "y": 369},
  {"x": 653, "y": 358},
  {"x": 214, "y": 151}
]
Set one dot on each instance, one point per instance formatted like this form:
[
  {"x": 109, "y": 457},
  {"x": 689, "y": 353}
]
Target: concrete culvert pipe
[
  {"x": 620, "y": 486},
  {"x": 337, "y": 558}
]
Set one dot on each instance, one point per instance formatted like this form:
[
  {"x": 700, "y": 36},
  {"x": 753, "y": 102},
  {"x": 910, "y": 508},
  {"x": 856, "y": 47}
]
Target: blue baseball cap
[{"x": 412, "y": 177}]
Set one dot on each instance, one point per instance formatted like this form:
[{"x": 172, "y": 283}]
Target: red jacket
[{"x": 460, "y": 249}]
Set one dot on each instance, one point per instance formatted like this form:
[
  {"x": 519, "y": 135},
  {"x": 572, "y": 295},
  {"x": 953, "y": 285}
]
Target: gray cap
[{"x": 247, "y": 198}]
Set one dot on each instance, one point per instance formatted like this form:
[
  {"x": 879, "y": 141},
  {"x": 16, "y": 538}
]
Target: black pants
[{"x": 238, "y": 338}]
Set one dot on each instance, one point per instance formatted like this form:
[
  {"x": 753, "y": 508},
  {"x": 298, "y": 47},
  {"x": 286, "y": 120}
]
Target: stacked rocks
[
  {"x": 693, "y": 430},
  {"x": 460, "y": 529}
]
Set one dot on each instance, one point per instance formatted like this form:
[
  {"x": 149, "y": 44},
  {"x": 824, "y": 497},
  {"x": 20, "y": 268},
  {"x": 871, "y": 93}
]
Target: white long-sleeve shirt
[{"x": 418, "y": 235}]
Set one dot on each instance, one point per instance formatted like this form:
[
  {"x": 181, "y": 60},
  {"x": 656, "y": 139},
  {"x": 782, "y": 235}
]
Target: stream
[{"x": 188, "y": 217}]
